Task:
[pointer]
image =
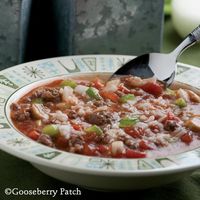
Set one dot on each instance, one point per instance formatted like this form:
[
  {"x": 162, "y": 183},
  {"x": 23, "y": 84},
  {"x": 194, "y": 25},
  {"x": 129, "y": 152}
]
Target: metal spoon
[{"x": 162, "y": 66}]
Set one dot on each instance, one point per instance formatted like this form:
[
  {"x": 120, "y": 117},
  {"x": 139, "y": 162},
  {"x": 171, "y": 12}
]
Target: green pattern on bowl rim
[{"x": 15, "y": 143}]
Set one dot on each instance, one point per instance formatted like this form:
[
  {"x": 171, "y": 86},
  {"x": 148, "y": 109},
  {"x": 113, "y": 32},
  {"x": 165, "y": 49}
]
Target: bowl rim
[{"x": 90, "y": 170}]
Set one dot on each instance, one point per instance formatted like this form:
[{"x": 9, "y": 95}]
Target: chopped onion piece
[
  {"x": 117, "y": 147},
  {"x": 112, "y": 86},
  {"x": 81, "y": 89}
]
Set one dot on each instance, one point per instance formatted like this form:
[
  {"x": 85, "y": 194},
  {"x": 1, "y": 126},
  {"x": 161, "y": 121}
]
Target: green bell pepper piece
[
  {"x": 37, "y": 101},
  {"x": 181, "y": 102},
  {"x": 93, "y": 94},
  {"x": 170, "y": 92},
  {"x": 51, "y": 130},
  {"x": 69, "y": 83},
  {"x": 127, "y": 122},
  {"x": 94, "y": 129},
  {"x": 127, "y": 97}
]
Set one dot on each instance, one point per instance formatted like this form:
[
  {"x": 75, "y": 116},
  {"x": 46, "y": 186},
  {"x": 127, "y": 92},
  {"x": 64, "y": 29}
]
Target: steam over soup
[{"x": 126, "y": 117}]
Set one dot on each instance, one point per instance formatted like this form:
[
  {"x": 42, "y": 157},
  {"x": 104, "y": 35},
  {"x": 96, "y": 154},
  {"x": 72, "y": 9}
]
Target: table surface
[{"x": 16, "y": 173}]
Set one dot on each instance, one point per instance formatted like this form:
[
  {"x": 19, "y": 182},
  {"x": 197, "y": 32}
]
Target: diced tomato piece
[
  {"x": 103, "y": 148},
  {"x": 144, "y": 146},
  {"x": 186, "y": 138},
  {"x": 61, "y": 142},
  {"x": 77, "y": 127},
  {"x": 33, "y": 135},
  {"x": 123, "y": 89},
  {"x": 152, "y": 88},
  {"x": 98, "y": 84},
  {"x": 110, "y": 95},
  {"x": 118, "y": 155},
  {"x": 134, "y": 154},
  {"x": 88, "y": 150},
  {"x": 133, "y": 132},
  {"x": 154, "y": 128},
  {"x": 55, "y": 83}
]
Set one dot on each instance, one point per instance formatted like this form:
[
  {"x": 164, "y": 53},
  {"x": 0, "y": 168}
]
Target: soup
[{"x": 127, "y": 117}]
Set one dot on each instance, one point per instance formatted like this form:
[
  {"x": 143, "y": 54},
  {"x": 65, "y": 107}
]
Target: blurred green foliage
[{"x": 167, "y": 7}]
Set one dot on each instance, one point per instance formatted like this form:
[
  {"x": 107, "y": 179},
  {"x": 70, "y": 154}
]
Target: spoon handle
[
  {"x": 195, "y": 34},
  {"x": 191, "y": 39}
]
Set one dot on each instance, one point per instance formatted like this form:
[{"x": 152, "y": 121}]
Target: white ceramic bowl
[{"x": 91, "y": 172}]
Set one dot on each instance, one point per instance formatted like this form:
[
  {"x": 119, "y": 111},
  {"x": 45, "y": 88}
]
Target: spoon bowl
[{"x": 159, "y": 65}]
